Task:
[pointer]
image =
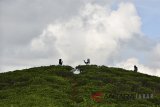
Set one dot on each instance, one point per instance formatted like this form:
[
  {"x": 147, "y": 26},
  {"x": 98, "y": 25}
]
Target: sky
[{"x": 119, "y": 33}]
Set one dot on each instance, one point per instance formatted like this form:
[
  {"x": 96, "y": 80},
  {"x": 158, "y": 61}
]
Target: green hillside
[{"x": 58, "y": 86}]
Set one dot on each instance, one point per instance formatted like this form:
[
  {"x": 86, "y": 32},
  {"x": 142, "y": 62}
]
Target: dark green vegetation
[{"x": 57, "y": 86}]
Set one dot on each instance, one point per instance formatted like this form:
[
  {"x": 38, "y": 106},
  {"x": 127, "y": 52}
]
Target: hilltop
[{"x": 58, "y": 86}]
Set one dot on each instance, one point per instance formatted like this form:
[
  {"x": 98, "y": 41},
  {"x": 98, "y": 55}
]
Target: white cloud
[
  {"x": 96, "y": 32},
  {"x": 101, "y": 31},
  {"x": 156, "y": 52}
]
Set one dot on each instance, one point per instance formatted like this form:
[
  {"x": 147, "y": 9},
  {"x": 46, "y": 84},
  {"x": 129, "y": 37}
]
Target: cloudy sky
[{"x": 119, "y": 33}]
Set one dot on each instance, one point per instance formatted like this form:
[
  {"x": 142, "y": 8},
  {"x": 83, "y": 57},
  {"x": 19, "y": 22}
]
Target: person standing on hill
[
  {"x": 135, "y": 68},
  {"x": 60, "y": 62},
  {"x": 88, "y": 62}
]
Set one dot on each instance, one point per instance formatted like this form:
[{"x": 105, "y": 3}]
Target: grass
[{"x": 57, "y": 86}]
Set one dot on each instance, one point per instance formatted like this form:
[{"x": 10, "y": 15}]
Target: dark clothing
[
  {"x": 135, "y": 68},
  {"x": 60, "y": 62}
]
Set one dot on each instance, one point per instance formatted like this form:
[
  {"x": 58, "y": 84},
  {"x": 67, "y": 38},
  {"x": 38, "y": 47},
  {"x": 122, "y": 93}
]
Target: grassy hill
[{"x": 57, "y": 86}]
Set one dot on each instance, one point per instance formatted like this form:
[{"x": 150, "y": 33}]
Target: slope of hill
[{"x": 95, "y": 86}]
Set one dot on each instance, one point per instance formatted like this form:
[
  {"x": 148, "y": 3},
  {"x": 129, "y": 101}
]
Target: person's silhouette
[
  {"x": 60, "y": 62},
  {"x": 87, "y": 62},
  {"x": 135, "y": 68}
]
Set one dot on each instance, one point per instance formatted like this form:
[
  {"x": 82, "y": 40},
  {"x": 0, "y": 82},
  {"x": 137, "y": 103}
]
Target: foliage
[{"x": 57, "y": 86}]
